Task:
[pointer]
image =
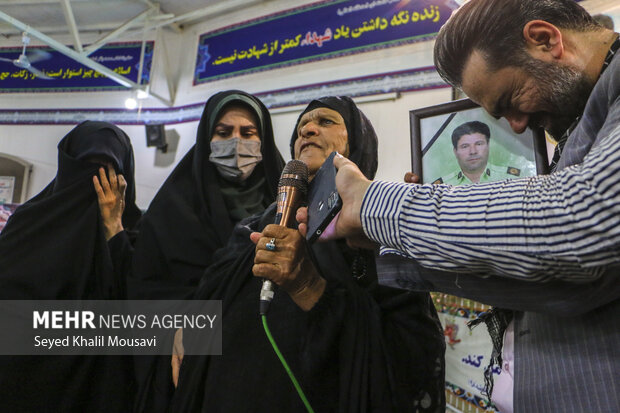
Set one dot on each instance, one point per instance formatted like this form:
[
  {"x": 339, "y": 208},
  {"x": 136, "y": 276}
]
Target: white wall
[{"x": 37, "y": 144}]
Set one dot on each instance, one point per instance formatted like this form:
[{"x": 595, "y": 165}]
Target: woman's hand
[
  {"x": 177, "y": 356},
  {"x": 288, "y": 265},
  {"x": 111, "y": 198}
]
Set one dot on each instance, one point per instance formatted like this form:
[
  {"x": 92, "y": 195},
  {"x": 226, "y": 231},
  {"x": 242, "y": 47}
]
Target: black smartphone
[{"x": 323, "y": 199}]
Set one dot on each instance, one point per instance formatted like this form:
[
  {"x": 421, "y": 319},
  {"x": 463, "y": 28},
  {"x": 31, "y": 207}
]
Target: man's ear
[{"x": 543, "y": 40}]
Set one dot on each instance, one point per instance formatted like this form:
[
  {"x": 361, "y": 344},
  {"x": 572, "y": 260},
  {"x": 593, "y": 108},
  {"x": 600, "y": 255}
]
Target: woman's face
[
  {"x": 320, "y": 132},
  {"x": 236, "y": 122}
]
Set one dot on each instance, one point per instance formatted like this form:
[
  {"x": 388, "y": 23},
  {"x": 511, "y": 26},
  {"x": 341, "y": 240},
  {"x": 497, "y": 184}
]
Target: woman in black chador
[
  {"x": 353, "y": 345},
  {"x": 231, "y": 173},
  {"x": 55, "y": 247}
]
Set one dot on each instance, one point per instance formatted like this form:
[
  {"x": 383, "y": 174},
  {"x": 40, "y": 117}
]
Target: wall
[
  {"x": 37, "y": 144},
  {"x": 175, "y": 53}
]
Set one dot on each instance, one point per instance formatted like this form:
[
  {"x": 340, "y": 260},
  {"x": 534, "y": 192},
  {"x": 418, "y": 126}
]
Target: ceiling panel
[{"x": 48, "y": 16}]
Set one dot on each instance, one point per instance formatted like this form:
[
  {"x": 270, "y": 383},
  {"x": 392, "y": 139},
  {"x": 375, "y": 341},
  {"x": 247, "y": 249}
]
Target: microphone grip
[{"x": 289, "y": 199}]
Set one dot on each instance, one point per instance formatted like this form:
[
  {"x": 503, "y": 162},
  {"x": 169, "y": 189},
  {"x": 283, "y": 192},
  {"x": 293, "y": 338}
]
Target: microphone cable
[{"x": 300, "y": 392}]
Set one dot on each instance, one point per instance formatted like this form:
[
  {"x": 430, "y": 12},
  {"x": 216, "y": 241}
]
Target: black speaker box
[{"x": 156, "y": 135}]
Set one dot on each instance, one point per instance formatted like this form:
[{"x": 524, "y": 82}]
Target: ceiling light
[{"x": 131, "y": 103}]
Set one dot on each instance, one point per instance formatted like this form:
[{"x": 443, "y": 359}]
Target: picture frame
[
  {"x": 457, "y": 94},
  {"x": 435, "y": 159}
]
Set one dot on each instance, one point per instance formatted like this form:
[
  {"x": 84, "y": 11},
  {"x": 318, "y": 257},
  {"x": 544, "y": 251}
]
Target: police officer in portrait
[{"x": 470, "y": 143}]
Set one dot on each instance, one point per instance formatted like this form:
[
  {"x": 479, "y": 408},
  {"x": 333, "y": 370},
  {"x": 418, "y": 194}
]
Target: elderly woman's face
[
  {"x": 236, "y": 122},
  {"x": 320, "y": 132}
]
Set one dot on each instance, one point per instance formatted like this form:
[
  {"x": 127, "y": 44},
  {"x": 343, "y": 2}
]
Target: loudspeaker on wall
[{"x": 156, "y": 136}]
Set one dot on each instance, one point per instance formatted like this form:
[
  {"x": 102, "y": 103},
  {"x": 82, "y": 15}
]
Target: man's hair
[
  {"x": 495, "y": 28},
  {"x": 469, "y": 128}
]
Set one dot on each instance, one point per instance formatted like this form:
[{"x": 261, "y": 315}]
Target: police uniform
[{"x": 491, "y": 173}]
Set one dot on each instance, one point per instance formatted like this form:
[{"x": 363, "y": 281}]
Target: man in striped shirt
[{"x": 547, "y": 247}]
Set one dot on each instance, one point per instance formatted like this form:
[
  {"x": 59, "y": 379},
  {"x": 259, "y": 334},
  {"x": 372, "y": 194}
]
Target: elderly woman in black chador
[
  {"x": 59, "y": 246},
  {"x": 231, "y": 173},
  {"x": 354, "y": 346}
]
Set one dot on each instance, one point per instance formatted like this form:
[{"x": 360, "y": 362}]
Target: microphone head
[{"x": 295, "y": 174}]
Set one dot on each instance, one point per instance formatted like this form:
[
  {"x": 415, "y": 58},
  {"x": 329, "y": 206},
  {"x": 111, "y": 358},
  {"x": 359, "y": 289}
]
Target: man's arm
[
  {"x": 563, "y": 299},
  {"x": 561, "y": 226}
]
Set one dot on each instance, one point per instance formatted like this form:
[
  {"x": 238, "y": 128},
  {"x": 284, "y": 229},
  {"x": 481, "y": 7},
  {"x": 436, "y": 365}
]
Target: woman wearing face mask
[{"x": 231, "y": 173}]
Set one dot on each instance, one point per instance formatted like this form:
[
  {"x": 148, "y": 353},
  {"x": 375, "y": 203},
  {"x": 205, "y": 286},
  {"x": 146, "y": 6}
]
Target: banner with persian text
[
  {"x": 317, "y": 31},
  {"x": 68, "y": 75}
]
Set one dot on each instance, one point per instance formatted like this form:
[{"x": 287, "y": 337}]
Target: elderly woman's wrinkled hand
[
  {"x": 111, "y": 198},
  {"x": 282, "y": 257}
]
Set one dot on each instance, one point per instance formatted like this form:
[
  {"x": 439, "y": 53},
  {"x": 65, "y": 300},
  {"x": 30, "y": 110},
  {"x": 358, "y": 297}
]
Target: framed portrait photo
[{"x": 459, "y": 143}]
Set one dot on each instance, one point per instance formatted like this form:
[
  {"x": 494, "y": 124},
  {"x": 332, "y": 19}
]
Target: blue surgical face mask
[{"x": 235, "y": 158}]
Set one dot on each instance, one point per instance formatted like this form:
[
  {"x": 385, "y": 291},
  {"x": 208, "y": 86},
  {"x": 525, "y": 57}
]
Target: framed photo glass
[{"x": 449, "y": 144}]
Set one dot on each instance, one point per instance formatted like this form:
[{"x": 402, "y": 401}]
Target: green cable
[{"x": 286, "y": 367}]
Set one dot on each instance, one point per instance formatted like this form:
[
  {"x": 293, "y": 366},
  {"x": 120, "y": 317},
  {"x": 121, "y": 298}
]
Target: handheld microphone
[{"x": 292, "y": 191}]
